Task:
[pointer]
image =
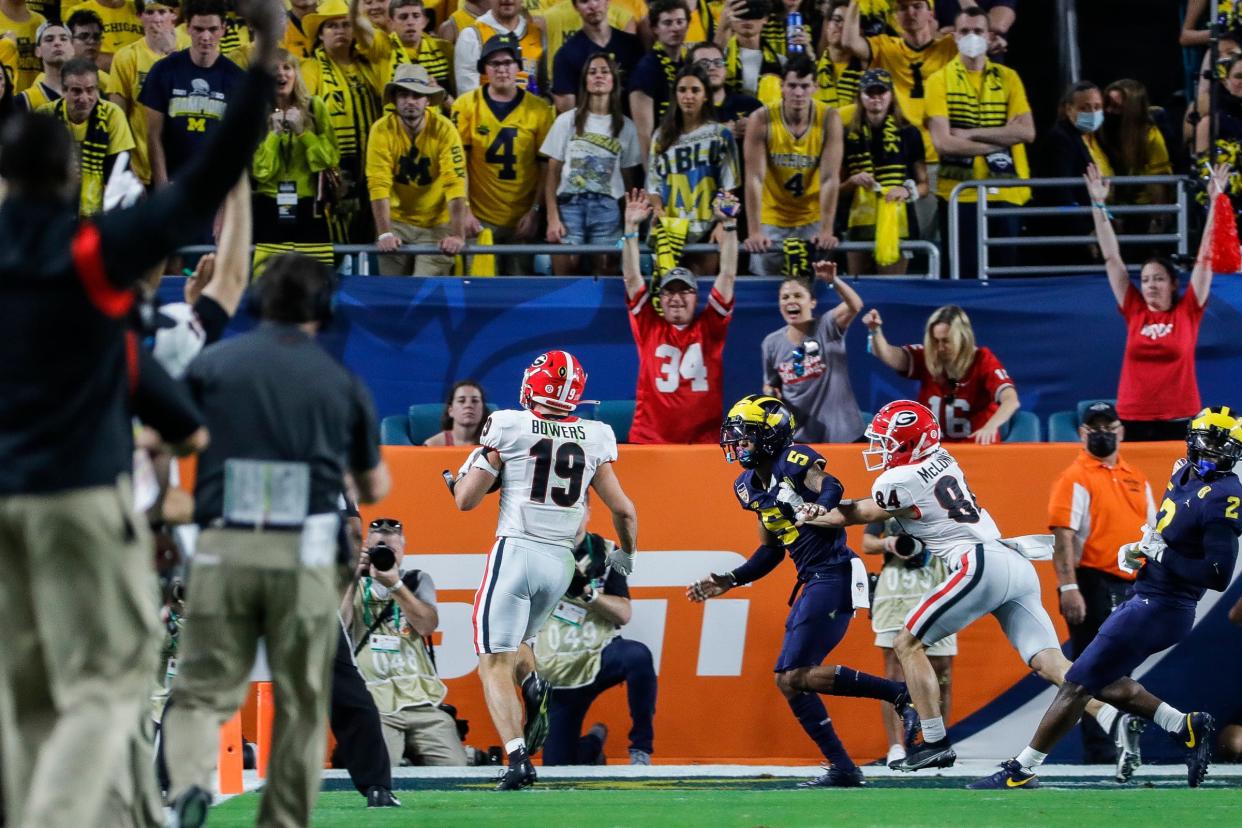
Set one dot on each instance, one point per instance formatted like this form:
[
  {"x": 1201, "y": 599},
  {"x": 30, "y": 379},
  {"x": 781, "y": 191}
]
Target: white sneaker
[{"x": 895, "y": 754}]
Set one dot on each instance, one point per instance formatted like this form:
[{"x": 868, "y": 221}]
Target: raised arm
[
  {"x": 637, "y": 209},
  {"x": 1105, "y": 236},
  {"x": 896, "y": 358},
  {"x": 851, "y": 303},
  {"x": 232, "y": 265},
  {"x": 728, "y": 246},
  {"x": 1201, "y": 276},
  {"x": 133, "y": 240},
  {"x": 852, "y": 37}
]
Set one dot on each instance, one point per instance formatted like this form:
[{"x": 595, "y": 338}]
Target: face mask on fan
[
  {"x": 1089, "y": 121},
  {"x": 972, "y": 45}
]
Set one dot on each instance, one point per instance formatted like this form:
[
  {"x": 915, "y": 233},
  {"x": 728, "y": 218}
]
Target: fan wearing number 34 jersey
[
  {"x": 542, "y": 459},
  {"x": 925, "y": 491},
  {"x": 680, "y": 354}
]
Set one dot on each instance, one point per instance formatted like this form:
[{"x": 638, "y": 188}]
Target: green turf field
[{"x": 718, "y": 802}]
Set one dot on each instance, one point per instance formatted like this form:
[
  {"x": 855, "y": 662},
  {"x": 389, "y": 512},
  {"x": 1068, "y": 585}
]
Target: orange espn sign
[{"x": 717, "y": 700}]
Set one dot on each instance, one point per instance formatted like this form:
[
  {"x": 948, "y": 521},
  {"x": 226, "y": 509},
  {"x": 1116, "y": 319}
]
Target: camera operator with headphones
[
  {"x": 909, "y": 572},
  {"x": 288, "y": 422},
  {"x": 389, "y": 611}
]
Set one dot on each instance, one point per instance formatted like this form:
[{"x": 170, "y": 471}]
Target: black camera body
[{"x": 383, "y": 558}]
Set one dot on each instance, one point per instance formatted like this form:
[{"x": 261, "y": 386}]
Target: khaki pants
[
  {"x": 425, "y": 731},
  {"x": 401, "y": 264},
  {"x": 80, "y": 622},
  {"x": 245, "y": 585}
]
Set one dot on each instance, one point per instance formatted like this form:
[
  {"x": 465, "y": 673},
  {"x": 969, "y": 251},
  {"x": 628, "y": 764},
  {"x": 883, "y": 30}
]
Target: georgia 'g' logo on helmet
[
  {"x": 901, "y": 432},
  {"x": 555, "y": 379}
]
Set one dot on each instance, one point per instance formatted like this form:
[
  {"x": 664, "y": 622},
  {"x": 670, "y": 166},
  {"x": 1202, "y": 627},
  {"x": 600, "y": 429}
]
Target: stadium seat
[
  {"x": 1023, "y": 428},
  {"x": 424, "y": 421},
  {"x": 1063, "y": 425},
  {"x": 395, "y": 430},
  {"x": 619, "y": 414},
  {"x": 1083, "y": 405}
]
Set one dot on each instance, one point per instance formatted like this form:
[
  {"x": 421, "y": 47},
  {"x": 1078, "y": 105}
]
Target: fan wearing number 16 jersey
[
  {"x": 924, "y": 489},
  {"x": 543, "y": 459}
]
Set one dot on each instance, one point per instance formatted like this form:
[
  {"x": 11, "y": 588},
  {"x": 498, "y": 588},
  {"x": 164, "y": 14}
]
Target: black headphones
[{"x": 323, "y": 304}]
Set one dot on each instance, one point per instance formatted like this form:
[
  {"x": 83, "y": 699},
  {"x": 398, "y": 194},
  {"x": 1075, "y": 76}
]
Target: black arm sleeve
[
  {"x": 212, "y": 317},
  {"x": 135, "y": 239},
  {"x": 1220, "y": 550},
  {"x": 765, "y": 559},
  {"x": 163, "y": 403}
]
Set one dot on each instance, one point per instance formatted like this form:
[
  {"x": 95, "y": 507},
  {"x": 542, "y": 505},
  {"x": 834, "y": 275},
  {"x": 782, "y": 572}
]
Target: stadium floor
[{"x": 730, "y": 795}]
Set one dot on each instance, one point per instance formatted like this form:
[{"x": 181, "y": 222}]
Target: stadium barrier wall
[
  {"x": 717, "y": 699},
  {"x": 1061, "y": 339}
]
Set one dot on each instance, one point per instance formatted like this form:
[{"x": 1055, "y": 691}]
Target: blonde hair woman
[
  {"x": 964, "y": 384},
  {"x": 300, "y": 146}
]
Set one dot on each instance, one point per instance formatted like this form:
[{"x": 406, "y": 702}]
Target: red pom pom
[{"x": 1226, "y": 254}]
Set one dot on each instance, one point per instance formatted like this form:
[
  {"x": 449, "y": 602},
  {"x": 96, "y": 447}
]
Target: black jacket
[{"x": 68, "y": 360}]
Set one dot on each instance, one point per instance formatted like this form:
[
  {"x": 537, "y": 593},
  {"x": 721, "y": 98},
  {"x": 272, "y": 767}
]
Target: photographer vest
[
  {"x": 394, "y": 660},
  {"x": 899, "y": 590}
]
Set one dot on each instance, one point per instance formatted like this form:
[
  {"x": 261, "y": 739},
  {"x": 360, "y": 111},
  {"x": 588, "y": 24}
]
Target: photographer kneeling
[
  {"x": 910, "y": 571},
  {"x": 389, "y": 612}
]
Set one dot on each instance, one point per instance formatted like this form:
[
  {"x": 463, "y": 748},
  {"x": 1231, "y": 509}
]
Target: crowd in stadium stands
[
  {"x": 828, "y": 119},
  {"x": 438, "y": 122}
]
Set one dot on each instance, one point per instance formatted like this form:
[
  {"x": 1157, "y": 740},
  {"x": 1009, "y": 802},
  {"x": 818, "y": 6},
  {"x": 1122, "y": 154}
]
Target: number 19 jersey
[
  {"x": 944, "y": 513},
  {"x": 548, "y": 465}
]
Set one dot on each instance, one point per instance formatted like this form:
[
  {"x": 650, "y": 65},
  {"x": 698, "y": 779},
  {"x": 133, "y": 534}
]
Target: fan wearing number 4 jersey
[
  {"x": 924, "y": 490},
  {"x": 1193, "y": 548},
  {"x": 543, "y": 459},
  {"x": 678, "y": 399}
]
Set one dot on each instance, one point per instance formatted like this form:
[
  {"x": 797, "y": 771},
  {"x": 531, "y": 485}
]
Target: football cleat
[
  {"x": 516, "y": 777},
  {"x": 836, "y": 778},
  {"x": 911, "y": 725},
  {"x": 535, "y": 693},
  {"x": 928, "y": 755},
  {"x": 1011, "y": 775},
  {"x": 378, "y": 797},
  {"x": 1196, "y": 736},
  {"x": 1127, "y": 733}
]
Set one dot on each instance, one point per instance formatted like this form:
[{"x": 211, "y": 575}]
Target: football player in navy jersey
[
  {"x": 1192, "y": 549},
  {"x": 779, "y": 476}
]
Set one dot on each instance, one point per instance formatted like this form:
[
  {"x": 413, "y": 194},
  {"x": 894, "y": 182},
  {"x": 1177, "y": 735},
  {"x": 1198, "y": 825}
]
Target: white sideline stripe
[{"x": 971, "y": 769}]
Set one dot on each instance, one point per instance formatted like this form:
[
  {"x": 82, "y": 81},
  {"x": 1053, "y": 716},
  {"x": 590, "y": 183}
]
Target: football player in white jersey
[
  {"x": 924, "y": 490},
  {"x": 542, "y": 459}
]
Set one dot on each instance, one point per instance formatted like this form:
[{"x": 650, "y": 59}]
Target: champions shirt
[{"x": 192, "y": 100}]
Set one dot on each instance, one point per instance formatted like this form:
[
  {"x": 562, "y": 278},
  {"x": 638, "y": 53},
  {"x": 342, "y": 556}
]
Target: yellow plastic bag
[
  {"x": 480, "y": 264},
  {"x": 888, "y": 231}
]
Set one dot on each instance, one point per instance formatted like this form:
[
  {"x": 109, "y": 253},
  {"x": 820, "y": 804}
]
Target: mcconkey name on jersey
[
  {"x": 548, "y": 465},
  {"x": 932, "y": 502}
]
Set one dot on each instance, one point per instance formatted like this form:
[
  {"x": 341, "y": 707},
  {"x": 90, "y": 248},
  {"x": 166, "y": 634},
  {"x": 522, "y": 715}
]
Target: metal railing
[
  {"x": 360, "y": 253},
  {"x": 985, "y": 210}
]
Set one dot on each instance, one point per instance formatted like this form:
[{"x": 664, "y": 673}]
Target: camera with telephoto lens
[
  {"x": 913, "y": 552},
  {"x": 383, "y": 558}
]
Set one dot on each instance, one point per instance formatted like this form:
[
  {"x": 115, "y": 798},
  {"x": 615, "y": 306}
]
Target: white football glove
[
  {"x": 123, "y": 188},
  {"x": 1151, "y": 546},
  {"x": 620, "y": 560}
]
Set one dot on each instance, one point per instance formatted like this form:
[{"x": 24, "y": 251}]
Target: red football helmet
[
  {"x": 901, "y": 432},
  {"x": 555, "y": 379}
]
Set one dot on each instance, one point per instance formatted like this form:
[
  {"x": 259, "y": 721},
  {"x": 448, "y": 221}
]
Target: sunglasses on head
[{"x": 386, "y": 525}]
